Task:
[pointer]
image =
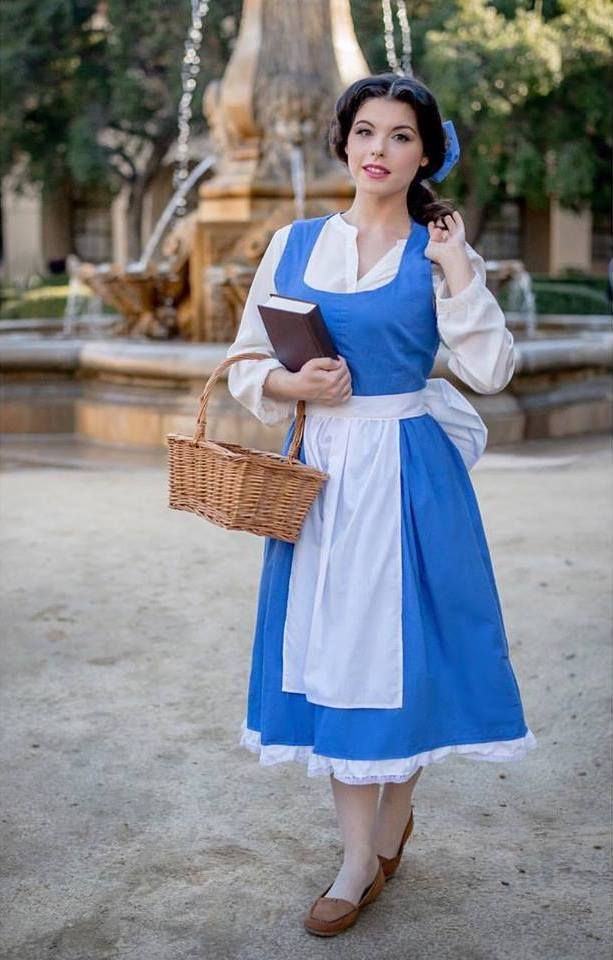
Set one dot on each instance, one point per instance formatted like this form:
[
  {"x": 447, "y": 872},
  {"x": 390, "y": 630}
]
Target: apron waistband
[
  {"x": 393, "y": 406},
  {"x": 439, "y": 398}
]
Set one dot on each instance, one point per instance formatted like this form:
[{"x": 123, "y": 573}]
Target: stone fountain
[{"x": 268, "y": 119}]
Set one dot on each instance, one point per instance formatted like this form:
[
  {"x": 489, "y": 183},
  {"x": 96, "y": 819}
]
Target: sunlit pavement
[{"x": 135, "y": 828}]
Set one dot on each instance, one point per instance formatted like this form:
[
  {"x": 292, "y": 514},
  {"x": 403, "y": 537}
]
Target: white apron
[{"x": 342, "y": 643}]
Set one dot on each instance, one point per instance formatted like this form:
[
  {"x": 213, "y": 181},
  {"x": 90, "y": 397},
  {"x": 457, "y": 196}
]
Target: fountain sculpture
[{"x": 267, "y": 118}]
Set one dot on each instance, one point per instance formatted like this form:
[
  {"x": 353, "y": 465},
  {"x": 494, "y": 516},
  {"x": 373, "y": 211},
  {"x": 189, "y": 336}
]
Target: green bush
[
  {"x": 24, "y": 309},
  {"x": 45, "y": 298},
  {"x": 572, "y": 293}
]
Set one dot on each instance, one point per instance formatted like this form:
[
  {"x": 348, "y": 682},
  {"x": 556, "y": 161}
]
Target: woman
[{"x": 379, "y": 643}]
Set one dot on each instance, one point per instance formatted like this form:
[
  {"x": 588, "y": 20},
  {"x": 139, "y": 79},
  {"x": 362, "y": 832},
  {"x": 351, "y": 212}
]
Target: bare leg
[
  {"x": 356, "y": 809},
  {"x": 394, "y": 809}
]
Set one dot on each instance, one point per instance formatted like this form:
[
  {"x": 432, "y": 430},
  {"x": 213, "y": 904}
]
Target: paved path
[{"x": 134, "y": 827}]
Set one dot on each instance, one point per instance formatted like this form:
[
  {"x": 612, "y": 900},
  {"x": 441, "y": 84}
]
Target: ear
[{"x": 424, "y": 161}]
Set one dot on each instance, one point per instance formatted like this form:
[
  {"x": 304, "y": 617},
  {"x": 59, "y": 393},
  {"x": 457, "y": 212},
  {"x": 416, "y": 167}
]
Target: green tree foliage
[
  {"x": 90, "y": 89},
  {"x": 528, "y": 95},
  {"x": 50, "y": 65}
]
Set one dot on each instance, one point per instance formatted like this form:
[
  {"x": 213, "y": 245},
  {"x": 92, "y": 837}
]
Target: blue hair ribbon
[{"x": 452, "y": 152}]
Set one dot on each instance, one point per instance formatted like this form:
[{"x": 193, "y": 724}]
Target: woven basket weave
[{"x": 239, "y": 488}]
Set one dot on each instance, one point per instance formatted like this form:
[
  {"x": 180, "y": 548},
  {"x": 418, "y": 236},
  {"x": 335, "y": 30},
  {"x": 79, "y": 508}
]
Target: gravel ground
[{"x": 135, "y": 828}]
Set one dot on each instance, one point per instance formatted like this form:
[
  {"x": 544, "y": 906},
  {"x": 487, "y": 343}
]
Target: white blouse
[{"x": 470, "y": 324}]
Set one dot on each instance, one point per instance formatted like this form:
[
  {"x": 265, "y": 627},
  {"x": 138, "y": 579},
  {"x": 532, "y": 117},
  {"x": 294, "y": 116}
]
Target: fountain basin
[{"x": 126, "y": 391}]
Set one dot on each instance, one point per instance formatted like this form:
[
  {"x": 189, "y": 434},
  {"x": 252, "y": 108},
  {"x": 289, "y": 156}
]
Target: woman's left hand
[{"x": 447, "y": 238}]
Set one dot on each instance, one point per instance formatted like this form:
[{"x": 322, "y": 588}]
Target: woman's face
[{"x": 389, "y": 128}]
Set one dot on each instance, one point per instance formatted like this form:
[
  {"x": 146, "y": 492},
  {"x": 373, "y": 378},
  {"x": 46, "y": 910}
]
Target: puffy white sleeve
[
  {"x": 246, "y": 378},
  {"x": 472, "y": 326}
]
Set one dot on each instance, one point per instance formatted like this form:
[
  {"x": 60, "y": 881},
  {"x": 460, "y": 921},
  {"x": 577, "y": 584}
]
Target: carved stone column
[
  {"x": 275, "y": 100},
  {"x": 290, "y": 62}
]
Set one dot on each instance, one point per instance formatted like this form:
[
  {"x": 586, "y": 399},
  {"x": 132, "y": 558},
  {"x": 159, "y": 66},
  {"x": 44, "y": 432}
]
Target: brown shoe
[
  {"x": 331, "y": 915},
  {"x": 390, "y": 864}
]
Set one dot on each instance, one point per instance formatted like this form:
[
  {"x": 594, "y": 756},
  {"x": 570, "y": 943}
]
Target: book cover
[{"x": 297, "y": 330}]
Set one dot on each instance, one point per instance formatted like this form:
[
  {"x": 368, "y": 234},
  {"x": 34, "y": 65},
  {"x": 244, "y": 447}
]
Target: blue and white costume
[{"x": 379, "y": 643}]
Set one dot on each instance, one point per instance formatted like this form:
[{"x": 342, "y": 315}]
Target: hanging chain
[
  {"x": 405, "y": 31},
  {"x": 190, "y": 69},
  {"x": 388, "y": 28}
]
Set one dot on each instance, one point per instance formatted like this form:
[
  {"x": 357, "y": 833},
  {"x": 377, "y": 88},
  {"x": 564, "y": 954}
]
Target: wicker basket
[{"x": 238, "y": 488}]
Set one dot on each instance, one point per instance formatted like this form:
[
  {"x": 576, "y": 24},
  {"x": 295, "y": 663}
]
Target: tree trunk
[
  {"x": 139, "y": 186},
  {"x": 476, "y": 216},
  {"x": 475, "y": 213},
  {"x": 134, "y": 218}
]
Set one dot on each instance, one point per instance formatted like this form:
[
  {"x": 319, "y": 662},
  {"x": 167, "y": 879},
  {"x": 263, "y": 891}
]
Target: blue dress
[{"x": 459, "y": 692}]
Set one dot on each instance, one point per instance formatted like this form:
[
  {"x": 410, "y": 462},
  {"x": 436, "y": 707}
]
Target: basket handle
[{"x": 200, "y": 431}]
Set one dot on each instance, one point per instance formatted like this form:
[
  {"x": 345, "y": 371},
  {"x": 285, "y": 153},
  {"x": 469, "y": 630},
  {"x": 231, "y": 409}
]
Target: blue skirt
[{"x": 460, "y": 694}]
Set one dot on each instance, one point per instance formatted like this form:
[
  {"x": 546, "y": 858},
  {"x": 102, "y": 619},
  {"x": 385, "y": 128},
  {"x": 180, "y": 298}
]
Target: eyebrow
[{"x": 400, "y": 126}]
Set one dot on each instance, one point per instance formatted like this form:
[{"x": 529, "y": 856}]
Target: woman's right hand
[{"x": 324, "y": 381}]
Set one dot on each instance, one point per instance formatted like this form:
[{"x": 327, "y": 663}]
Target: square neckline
[{"x": 358, "y": 293}]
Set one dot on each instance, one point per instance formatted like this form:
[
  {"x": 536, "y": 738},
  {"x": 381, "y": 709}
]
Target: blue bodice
[{"x": 388, "y": 335}]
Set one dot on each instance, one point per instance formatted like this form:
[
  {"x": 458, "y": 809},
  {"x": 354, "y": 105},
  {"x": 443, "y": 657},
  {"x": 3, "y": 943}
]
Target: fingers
[
  {"x": 447, "y": 221},
  {"x": 343, "y": 385},
  {"x": 332, "y": 386},
  {"x": 338, "y": 380},
  {"x": 449, "y": 226},
  {"x": 338, "y": 395},
  {"x": 323, "y": 363},
  {"x": 437, "y": 233},
  {"x": 327, "y": 365}
]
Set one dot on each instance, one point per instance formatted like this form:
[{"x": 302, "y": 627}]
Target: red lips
[{"x": 374, "y": 168}]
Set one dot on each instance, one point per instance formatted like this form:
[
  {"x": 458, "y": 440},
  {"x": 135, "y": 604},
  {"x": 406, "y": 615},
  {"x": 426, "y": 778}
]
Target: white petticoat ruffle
[{"x": 382, "y": 771}]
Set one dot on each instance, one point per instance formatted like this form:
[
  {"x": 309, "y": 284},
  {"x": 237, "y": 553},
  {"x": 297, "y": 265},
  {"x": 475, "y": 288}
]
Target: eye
[
  {"x": 403, "y": 137},
  {"x": 363, "y": 130}
]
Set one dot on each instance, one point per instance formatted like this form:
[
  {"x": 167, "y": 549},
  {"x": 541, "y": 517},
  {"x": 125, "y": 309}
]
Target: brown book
[{"x": 296, "y": 330}]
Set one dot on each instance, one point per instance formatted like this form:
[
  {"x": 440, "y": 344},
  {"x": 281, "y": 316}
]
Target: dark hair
[{"x": 422, "y": 203}]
